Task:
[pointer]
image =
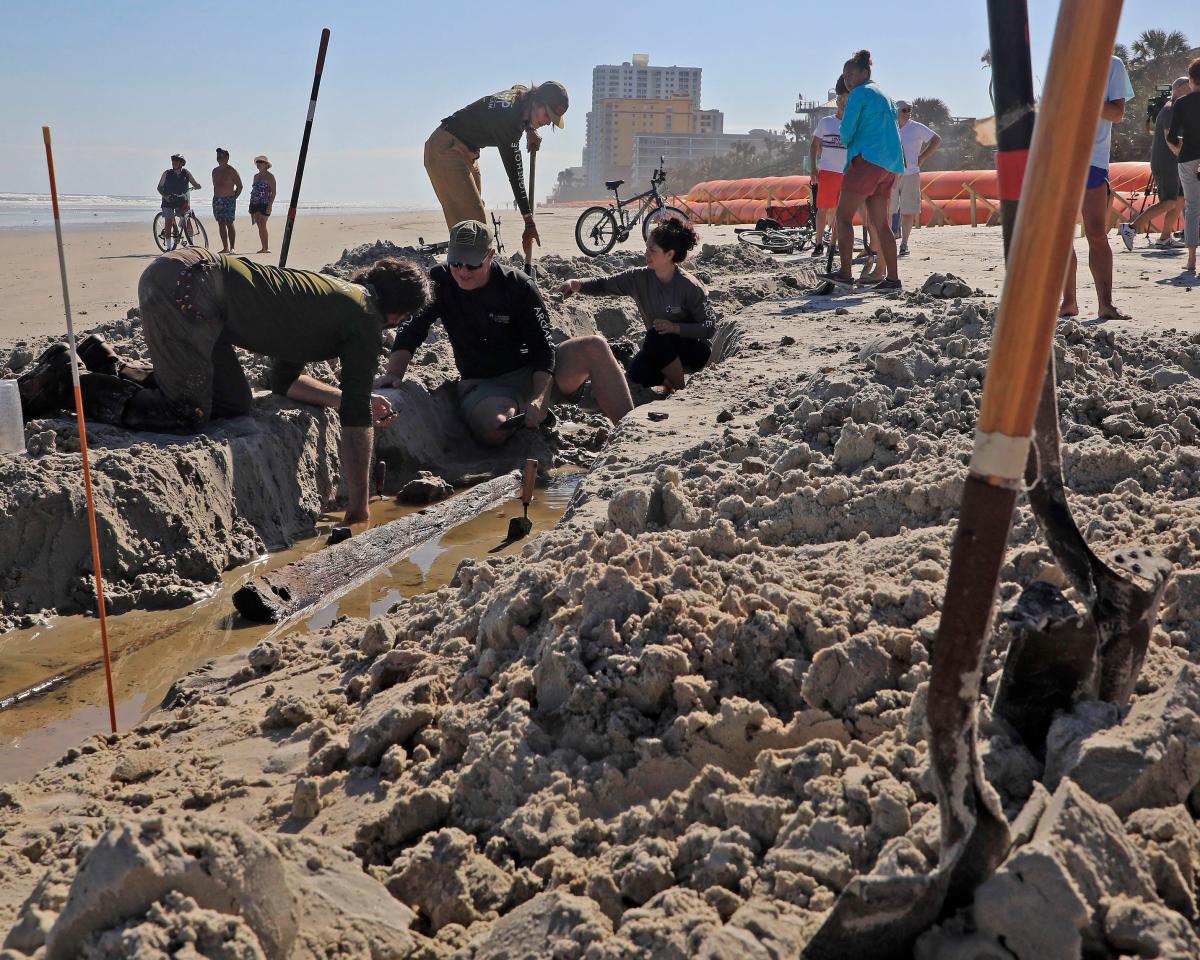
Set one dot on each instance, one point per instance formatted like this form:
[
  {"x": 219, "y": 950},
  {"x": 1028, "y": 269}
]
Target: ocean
[{"x": 22, "y": 211}]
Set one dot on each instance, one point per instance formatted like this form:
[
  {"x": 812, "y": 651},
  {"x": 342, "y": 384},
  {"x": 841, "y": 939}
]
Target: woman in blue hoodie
[{"x": 874, "y": 158}]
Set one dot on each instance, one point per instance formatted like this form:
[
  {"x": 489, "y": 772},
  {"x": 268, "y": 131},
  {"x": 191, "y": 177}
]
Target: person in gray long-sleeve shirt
[{"x": 679, "y": 318}]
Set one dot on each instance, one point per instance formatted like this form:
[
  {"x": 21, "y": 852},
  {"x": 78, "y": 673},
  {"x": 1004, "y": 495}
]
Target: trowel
[{"x": 519, "y": 527}]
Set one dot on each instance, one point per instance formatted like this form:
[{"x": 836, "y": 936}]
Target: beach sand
[
  {"x": 105, "y": 261},
  {"x": 681, "y": 720}
]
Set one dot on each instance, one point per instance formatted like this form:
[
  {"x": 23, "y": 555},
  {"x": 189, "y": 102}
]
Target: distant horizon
[{"x": 115, "y": 125}]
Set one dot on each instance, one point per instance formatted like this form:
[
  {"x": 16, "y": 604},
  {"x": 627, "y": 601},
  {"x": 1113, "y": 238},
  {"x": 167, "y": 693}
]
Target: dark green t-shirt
[{"x": 297, "y": 317}]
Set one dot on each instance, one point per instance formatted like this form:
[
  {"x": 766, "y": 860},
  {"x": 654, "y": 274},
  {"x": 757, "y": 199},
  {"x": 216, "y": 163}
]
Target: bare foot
[
  {"x": 264, "y": 250},
  {"x": 1068, "y": 309},
  {"x": 1112, "y": 313},
  {"x": 222, "y": 250}
]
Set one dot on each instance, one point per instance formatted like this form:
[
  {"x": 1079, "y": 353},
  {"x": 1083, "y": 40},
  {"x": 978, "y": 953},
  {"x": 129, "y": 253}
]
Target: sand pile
[{"x": 681, "y": 722}]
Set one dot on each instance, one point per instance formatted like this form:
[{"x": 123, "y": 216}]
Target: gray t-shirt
[
  {"x": 1161, "y": 158},
  {"x": 684, "y": 300}
]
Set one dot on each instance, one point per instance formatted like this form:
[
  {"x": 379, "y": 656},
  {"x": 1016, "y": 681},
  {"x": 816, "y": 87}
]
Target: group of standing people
[
  {"x": 1175, "y": 165},
  {"x": 177, "y": 182}
]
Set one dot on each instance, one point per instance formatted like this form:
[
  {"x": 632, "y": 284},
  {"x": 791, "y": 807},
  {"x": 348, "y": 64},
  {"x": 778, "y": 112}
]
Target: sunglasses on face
[
  {"x": 461, "y": 265},
  {"x": 906, "y": 111}
]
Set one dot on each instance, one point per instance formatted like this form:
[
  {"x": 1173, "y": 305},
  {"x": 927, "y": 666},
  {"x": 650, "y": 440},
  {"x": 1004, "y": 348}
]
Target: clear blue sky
[{"x": 240, "y": 75}]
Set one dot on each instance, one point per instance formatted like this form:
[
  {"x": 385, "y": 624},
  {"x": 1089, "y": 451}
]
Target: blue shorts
[
  {"x": 1096, "y": 177},
  {"x": 224, "y": 209}
]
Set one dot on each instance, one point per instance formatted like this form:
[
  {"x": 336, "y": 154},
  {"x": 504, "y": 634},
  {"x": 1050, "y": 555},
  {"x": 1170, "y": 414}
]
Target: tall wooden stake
[
  {"x": 312, "y": 109},
  {"x": 87, "y": 470}
]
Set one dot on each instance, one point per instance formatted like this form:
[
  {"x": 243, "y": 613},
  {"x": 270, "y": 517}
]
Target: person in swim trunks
[
  {"x": 175, "y": 186},
  {"x": 499, "y": 331},
  {"x": 1097, "y": 199},
  {"x": 262, "y": 198},
  {"x": 227, "y": 187}
]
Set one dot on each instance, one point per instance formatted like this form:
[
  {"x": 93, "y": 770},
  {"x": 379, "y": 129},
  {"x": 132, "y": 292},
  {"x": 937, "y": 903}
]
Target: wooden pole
[
  {"x": 83, "y": 447},
  {"x": 312, "y": 109},
  {"x": 289, "y": 592},
  {"x": 1021, "y": 343}
]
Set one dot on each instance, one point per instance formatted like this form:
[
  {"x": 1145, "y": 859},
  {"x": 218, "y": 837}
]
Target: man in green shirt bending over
[{"x": 197, "y": 306}]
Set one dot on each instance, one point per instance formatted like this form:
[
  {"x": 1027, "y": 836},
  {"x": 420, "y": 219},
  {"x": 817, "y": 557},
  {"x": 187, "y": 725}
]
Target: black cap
[{"x": 553, "y": 95}]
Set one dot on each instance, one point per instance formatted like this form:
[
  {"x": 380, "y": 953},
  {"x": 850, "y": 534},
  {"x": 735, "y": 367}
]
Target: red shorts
[
  {"x": 829, "y": 188},
  {"x": 868, "y": 179}
]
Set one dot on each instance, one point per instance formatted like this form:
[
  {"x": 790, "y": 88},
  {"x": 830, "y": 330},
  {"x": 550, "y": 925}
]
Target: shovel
[
  {"x": 880, "y": 917},
  {"x": 529, "y": 244},
  {"x": 519, "y": 527}
]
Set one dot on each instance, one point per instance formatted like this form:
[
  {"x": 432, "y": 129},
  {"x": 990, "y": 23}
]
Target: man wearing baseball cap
[
  {"x": 499, "y": 330},
  {"x": 175, "y": 187},
  {"x": 452, "y": 150},
  {"x": 918, "y": 143}
]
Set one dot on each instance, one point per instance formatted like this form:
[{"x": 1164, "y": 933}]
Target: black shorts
[
  {"x": 1166, "y": 182},
  {"x": 259, "y": 208},
  {"x": 660, "y": 349}
]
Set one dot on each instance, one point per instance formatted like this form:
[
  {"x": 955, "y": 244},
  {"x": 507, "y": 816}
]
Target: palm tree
[
  {"x": 1153, "y": 44},
  {"x": 986, "y": 59},
  {"x": 1121, "y": 52}
]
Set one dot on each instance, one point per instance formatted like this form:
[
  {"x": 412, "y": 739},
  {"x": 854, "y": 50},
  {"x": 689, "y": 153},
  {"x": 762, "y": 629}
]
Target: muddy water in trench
[{"x": 152, "y": 649}]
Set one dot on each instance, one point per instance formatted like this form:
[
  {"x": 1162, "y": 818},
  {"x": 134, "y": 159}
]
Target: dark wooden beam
[{"x": 291, "y": 591}]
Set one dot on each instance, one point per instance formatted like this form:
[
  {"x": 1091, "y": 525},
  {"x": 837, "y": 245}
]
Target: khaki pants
[{"x": 453, "y": 169}]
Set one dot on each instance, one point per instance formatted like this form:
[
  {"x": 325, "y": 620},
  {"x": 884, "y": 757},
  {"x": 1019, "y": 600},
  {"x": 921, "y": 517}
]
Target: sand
[
  {"x": 681, "y": 722},
  {"x": 105, "y": 261}
]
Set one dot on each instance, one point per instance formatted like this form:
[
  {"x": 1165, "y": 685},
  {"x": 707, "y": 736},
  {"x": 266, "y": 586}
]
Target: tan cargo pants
[{"x": 453, "y": 169}]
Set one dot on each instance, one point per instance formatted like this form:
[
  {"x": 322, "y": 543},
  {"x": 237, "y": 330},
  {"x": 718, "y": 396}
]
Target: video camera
[{"x": 1154, "y": 104}]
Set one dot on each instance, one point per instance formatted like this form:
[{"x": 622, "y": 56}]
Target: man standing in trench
[
  {"x": 198, "y": 306},
  {"x": 499, "y": 331}
]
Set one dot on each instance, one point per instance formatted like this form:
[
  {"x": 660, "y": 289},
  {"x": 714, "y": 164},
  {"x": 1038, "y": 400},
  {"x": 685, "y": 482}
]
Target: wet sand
[{"x": 152, "y": 648}]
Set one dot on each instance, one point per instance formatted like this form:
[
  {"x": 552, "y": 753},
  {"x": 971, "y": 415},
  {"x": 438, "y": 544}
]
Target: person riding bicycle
[
  {"x": 452, "y": 150},
  {"x": 175, "y": 186}
]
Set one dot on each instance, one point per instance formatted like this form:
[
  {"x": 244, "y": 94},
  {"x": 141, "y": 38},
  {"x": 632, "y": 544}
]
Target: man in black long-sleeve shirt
[
  {"x": 452, "y": 151},
  {"x": 1183, "y": 139},
  {"x": 499, "y": 331}
]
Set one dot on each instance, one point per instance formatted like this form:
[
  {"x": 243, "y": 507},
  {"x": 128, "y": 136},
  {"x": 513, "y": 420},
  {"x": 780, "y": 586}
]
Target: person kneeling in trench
[
  {"x": 499, "y": 331},
  {"x": 197, "y": 306},
  {"x": 679, "y": 317}
]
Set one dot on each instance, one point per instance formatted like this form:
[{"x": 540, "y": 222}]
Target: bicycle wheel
[
  {"x": 773, "y": 241},
  {"x": 197, "y": 236},
  {"x": 655, "y": 217},
  {"x": 596, "y": 231},
  {"x": 165, "y": 244}
]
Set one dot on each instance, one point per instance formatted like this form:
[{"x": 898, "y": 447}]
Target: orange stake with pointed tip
[{"x": 87, "y": 471}]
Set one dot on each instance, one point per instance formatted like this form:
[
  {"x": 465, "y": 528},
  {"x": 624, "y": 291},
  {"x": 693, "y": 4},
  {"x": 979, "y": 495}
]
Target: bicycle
[
  {"x": 599, "y": 229},
  {"x": 437, "y": 247},
  {"x": 192, "y": 228}
]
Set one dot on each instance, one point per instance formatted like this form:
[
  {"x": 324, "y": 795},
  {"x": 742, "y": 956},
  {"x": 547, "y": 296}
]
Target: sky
[{"x": 125, "y": 83}]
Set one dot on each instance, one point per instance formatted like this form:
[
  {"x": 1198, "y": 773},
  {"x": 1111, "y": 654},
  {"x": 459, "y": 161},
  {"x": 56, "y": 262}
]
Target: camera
[{"x": 1162, "y": 95}]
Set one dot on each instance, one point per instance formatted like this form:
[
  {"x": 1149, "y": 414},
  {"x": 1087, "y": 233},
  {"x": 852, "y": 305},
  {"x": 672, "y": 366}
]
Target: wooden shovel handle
[
  {"x": 1037, "y": 262},
  {"x": 528, "y": 481}
]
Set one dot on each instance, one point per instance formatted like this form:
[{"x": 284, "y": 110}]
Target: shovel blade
[
  {"x": 879, "y": 917},
  {"x": 1051, "y": 664},
  {"x": 518, "y": 527}
]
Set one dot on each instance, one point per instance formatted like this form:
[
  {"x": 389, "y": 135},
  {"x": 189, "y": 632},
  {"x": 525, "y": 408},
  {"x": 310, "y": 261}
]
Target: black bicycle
[{"x": 599, "y": 229}]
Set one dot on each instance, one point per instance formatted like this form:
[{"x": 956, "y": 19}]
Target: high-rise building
[{"x": 636, "y": 79}]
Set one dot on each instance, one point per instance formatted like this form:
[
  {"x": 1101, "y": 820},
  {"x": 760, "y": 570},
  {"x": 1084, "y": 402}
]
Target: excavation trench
[{"x": 52, "y": 687}]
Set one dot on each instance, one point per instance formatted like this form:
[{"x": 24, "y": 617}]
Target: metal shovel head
[
  {"x": 879, "y": 917},
  {"x": 1051, "y": 664},
  {"x": 518, "y": 527}
]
